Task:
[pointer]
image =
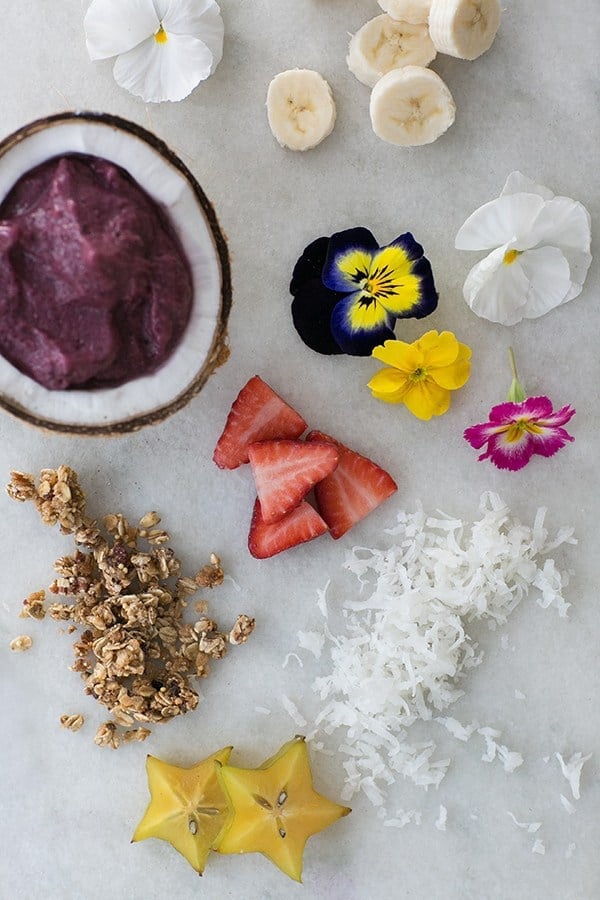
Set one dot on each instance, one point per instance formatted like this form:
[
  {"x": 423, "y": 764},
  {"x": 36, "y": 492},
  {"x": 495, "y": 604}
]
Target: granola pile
[{"x": 136, "y": 654}]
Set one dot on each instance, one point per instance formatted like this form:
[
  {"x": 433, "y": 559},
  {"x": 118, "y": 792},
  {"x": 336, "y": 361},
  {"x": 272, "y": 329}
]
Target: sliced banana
[
  {"x": 464, "y": 28},
  {"x": 411, "y": 106},
  {"x": 384, "y": 44},
  {"x": 300, "y": 109},
  {"x": 413, "y": 11}
]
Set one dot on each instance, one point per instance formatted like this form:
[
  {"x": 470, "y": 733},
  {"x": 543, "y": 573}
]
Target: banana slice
[
  {"x": 411, "y": 106},
  {"x": 384, "y": 44},
  {"x": 300, "y": 109},
  {"x": 413, "y": 11},
  {"x": 464, "y": 28}
]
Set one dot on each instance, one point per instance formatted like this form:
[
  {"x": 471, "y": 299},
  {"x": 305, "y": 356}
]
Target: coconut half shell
[{"x": 151, "y": 398}]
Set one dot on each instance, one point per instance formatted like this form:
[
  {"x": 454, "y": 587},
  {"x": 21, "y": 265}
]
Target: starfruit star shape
[
  {"x": 187, "y": 807},
  {"x": 274, "y": 809}
]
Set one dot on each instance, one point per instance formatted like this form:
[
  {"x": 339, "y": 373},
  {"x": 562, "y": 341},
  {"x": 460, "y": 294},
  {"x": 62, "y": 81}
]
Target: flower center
[
  {"x": 517, "y": 429},
  {"x": 380, "y": 283},
  {"x": 510, "y": 256},
  {"x": 161, "y": 36},
  {"x": 419, "y": 374}
]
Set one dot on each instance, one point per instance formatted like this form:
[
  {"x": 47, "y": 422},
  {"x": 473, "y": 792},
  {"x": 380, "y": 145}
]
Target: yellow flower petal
[
  {"x": 389, "y": 381},
  {"x": 426, "y": 399},
  {"x": 397, "y": 397},
  {"x": 439, "y": 349},
  {"x": 400, "y": 355},
  {"x": 454, "y": 376}
]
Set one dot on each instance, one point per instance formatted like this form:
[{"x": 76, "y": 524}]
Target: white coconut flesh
[{"x": 150, "y": 395}]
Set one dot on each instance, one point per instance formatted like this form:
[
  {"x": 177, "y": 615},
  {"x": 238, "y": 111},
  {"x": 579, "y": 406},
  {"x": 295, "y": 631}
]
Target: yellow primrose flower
[{"x": 422, "y": 374}]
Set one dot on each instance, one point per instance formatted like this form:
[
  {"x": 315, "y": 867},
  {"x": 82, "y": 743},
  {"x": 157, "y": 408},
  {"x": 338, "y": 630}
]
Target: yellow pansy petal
[
  {"x": 394, "y": 259},
  {"x": 389, "y": 381},
  {"x": 426, "y": 399},
  {"x": 400, "y": 355}
]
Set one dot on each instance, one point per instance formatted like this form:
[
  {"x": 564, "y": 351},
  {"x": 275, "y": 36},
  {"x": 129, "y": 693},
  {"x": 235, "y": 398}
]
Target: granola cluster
[{"x": 135, "y": 653}]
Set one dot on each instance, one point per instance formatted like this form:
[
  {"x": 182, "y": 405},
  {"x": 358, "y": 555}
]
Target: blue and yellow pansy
[{"x": 348, "y": 291}]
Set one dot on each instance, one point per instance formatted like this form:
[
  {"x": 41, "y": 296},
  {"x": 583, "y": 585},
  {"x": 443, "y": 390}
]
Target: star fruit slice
[
  {"x": 274, "y": 809},
  {"x": 187, "y": 807}
]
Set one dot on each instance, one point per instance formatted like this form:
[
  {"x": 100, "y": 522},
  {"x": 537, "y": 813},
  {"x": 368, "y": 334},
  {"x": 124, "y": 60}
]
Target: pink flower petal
[{"x": 513, "y": 455}]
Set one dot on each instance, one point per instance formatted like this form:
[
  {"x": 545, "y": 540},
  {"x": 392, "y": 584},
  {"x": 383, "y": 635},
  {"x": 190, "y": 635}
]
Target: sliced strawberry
[
  {"x": 353, "y": 490},
  {"x": 302, "y": 524},
  {"x": 285, "y": 471},
  {"x": 257, "y": 414}
]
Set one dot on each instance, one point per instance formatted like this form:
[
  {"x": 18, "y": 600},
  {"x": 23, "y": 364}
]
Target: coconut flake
[
  {"x": 263, "y": 710},
  {"x": 292, "y": 656},
  {"x": 457, "y": 729},
  {"x": 570, "y": 850},
  {"x": 567, "y": 804},
  {"x": 440, "y": 822},
  {"x": 572, "y": 770},
  {"x": 530, "y": 827},
  {"x": 404, "y": 817},
  {"x": 293, "y": 711},
  {"x": 519, "y": 695},
  {"x": 312, "y": 641},
  {"x": 539, "y": 847}
]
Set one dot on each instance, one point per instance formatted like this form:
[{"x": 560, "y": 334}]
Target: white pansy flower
[
  {"x": 164, "y": 48},
  {"x": 540, "y": 252}
]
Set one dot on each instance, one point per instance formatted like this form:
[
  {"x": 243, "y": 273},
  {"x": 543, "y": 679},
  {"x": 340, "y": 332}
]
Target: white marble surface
[{"x": 68, "y": 809}]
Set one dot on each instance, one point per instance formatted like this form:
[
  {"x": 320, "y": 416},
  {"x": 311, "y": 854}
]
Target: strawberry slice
[
  {"x": 302, "y": 524},
  {"x": 285, "y": 471},
  {"x": 353, "y": 490},
  {"x": 257, "y": 414}
]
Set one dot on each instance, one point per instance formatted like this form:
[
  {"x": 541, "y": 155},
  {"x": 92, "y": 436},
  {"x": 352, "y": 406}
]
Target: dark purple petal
[
  {"x": 310, "y": 265},
  {"x": 412, "y": 248},
  {"x": 311, "y": 313}
]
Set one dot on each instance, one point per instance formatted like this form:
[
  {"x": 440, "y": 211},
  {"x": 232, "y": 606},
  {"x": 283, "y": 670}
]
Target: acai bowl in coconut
[{"x": 115, "y": 286}]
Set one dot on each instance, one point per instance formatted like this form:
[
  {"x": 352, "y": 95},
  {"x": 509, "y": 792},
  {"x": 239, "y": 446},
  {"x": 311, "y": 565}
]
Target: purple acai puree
[{"x": 95, "y": 289}]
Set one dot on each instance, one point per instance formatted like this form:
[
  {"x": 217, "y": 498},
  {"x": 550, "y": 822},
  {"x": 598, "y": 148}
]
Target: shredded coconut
[
  {"x": 572, "y": 770},
  {"x": 530, "y": 827},
  {"x": 263, "y": 710},
  {"x": 293, "y": 711},
  {"x": 567, "y": 804},
  {"x": 519, "y": 695},
  {"x": 456, "y": 728},
  {"x": 404, "y": 817},
  {"x": 440, "y": 822},
  {"x": 404, "y": 647},
  {"x": 538, "y": 847},
  {"x": 312, "y": 641},
  {"x": 510, "y": 759},
  {"x": 292, "y": 656}
]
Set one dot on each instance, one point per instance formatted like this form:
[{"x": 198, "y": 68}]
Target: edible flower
[
  {"x": 520, "y": 428},
  {"x": 163, "y": 48},
  {"x": 348, "y": 291},
  {"x": 422, "y": 374},
  {"x": 275, "y": 809},
  {"x": 540, "y": 252},
  {"x": 187, "y": 807}
]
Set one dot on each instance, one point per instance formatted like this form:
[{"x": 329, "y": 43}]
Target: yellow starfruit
[
  {"x": 274, "y": 809},
  {"x": 187, "y": 807}
]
